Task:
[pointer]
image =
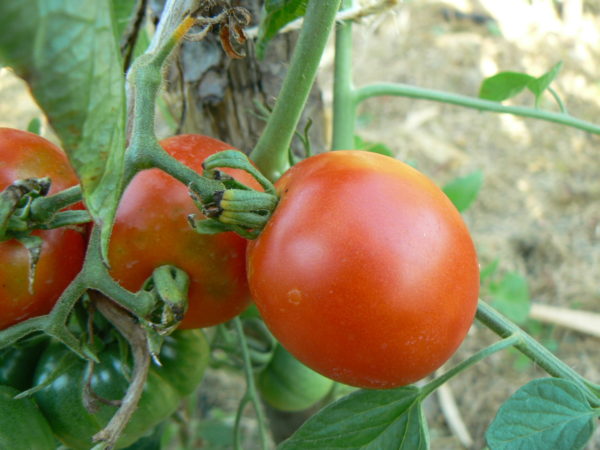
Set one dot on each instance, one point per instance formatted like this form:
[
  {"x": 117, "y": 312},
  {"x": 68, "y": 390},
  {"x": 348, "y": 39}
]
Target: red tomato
[
  {"x": 365, "y": 272},
  {"x": 151, "y": 229},
  {"x": 26, "y": 155}
]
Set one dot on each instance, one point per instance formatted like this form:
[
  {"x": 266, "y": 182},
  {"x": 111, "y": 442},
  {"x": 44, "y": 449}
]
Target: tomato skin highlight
[
  {"x": 151, "y": 229},
  {"x": 27, "y": 155},
  {"x": 365, "y": 272}
]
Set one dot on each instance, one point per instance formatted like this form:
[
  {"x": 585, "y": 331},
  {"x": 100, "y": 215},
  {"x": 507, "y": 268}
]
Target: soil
[{"x": 538, "y": 213}]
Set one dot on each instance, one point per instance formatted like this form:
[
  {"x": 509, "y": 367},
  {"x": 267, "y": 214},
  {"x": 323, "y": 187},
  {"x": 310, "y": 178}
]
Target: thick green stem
[
  {"x": 403, "y": 90},
  {"x": 12, "y": 334},
  {"x": 271, "y": 151},
  {"x": 96, "y": 276},
  {"x": 202, "y": 186},
  {"x": 532, "y": 348},
  {"x": 344, "y": 102}
]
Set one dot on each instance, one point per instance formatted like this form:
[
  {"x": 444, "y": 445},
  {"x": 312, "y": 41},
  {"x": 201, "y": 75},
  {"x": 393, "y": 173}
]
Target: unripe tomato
[
  {"x": 17, "y": 362},
  {"x": 27, "y": 155},
  {"x": 184, "y": 358},
  {"x": 365, "y": 272},
  {"x": 22, "y": 425},
  {"x": 288, "y": 385},
  {"x": 151, "y": 230}
]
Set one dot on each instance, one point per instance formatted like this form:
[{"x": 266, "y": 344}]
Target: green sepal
[
  {"x": 248, "y": 220},
  {"x": 246, "y": 201},
  {"x": 169, "y": 285},
  {"x": 15, "y": 202},
  {"x": 235, "y": 159},
  {"x": 207, "y": 226}
]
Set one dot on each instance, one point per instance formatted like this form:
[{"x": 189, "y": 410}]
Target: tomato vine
[{"x": 228, "y": 205}]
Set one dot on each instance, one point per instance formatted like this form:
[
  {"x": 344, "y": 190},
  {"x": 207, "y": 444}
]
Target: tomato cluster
[
  {"x": 150, "y": 230},
  {"x": 365, "y": 272}
]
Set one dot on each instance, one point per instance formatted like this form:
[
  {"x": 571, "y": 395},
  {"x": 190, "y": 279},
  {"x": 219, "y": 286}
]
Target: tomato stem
[
  {"x": 138, "y": 341},
  {"x": 533, "y": 349},
  {"x": 271, "y": 151},
  {"x": 404, "y": 90},
  {"x": 344, "y": 101},
  {"x": 251, "y": 394},
  {"x": 509, "y": 341}
]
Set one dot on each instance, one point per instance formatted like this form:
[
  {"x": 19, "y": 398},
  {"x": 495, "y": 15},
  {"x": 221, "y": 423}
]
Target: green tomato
[
  {"x": 17, "y": 363},
  {"x": 22, "y": 425},
  {"x": 288, "y": 385},
  {"x": 184, "y": 357}
]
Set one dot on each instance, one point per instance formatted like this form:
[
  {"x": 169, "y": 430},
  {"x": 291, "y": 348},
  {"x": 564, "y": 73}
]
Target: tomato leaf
[
  {"x": 463, "y": 191},
  {"x": 67, "y": 52},
  {"x": 540, "y": 84},
  {"x": 504, "y": 85},
  {"x": 373, "y": 147},
  {"x": 545, "y": 413},
  {"x": 366, "y": 420},
  {"x": 277, "y": 14},
  {"x": 488, "y": 271},
  {"x": 511, "y": 297},
  {"x": 35, "y": 126},
  {"x": 123, "y": 11}
]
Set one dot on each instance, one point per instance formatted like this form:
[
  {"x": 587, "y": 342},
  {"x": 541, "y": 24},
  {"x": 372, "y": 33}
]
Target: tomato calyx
[
  {"x": 169, "y": 286},
  {"x": 25, "y": 206},
  {"x": 15, "y": 203},
  {"x": 238, "y": 208}
]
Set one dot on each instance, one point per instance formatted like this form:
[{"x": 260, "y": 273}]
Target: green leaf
[
  {"x": 511, "y": 297},
  {"x": 35, "y": 126},
  {"x": 504, "y": 85},
  {"x": 489, "y": 270},
  {"x": 366, "y": 420},
  {"x": 463, "y": 191},
  {"x": 277, "y": 14},
  {"x": 540, "y": 84},
  {"x": 123, "y": 11},
  {"x": 374, "y": 147},
  {"x": 67, "y": 52},
  {"x": 545, "y": 413}
]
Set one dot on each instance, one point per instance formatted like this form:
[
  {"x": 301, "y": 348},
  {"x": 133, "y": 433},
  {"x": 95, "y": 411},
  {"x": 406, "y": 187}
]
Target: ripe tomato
[
  {"x": 26, "y": 155},
  {"x": 365, "y": 272},
  {"x": 151, "y": 229}
]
